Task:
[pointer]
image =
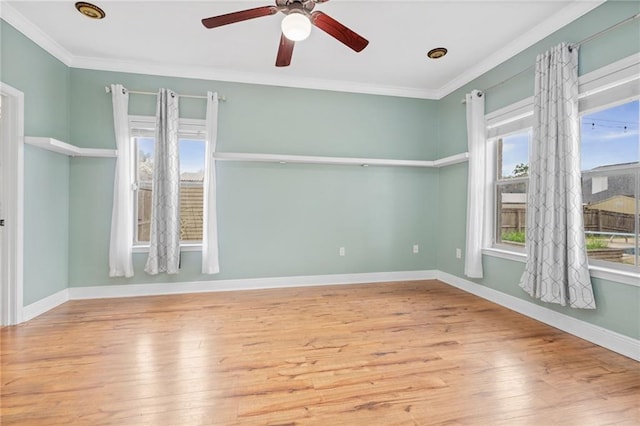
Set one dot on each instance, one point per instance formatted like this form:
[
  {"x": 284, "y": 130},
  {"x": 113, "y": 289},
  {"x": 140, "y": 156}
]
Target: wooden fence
[
  {"x": 606, "y": 221},
  {"x": 191, "y": 197},
  {"x": 514, "y": 219}
]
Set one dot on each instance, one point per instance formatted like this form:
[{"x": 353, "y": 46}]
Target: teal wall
[
  {"x": 618, "y": 304},
  {"x": 274, "y": 219},
  {"x": 285, "y": 220},
  {"x": 45, "y": 83},
  {"x": 46, "y": 223}
]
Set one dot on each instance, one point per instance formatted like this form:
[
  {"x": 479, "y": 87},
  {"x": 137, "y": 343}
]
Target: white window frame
[
  {"x": 611, "y": 85},
  {"x": 144, "y": 126},
  {"x": 491, "y": 153}
]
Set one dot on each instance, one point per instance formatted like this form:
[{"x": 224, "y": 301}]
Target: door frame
[{"x": 11, "y": 278}]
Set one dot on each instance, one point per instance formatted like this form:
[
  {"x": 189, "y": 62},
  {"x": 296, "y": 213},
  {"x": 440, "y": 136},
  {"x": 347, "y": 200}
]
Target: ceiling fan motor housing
[{"x": 303, "y": 6}]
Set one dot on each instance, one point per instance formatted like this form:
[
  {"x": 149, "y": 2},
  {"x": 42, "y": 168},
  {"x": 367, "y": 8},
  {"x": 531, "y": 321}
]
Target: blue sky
[
  {"x": 605, "y": 140},
  {"x": 191, "y": 153}
]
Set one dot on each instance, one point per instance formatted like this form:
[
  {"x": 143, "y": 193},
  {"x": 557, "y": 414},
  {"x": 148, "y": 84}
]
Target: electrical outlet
[
  {"x": 458, "y": 253},
  {"x": 416, "y": 248},
  {"x": 342, "y": 251}
]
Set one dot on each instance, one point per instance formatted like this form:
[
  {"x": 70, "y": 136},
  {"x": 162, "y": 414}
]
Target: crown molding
[
  {"x": 559, "y": 20},
  {"x": 568, "y": 14},
  {"x": 34, "y": 33},
  {"x": 205, "y": 73}
]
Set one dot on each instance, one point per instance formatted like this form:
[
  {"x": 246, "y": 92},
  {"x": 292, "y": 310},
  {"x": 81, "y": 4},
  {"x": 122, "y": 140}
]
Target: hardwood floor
[{"x": 413, "y": 353}]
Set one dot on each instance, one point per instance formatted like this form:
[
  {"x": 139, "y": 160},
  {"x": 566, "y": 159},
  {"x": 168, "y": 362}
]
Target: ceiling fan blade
[
  {"x": 243, "y": 15},
  {"x": 338, "y": 31},
  {"x": 285, "y": 52}
]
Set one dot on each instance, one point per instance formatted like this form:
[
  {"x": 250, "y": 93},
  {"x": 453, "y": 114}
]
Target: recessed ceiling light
[
  {"x": 437, "y": 53},
  {"x": 90, "y": 10}
]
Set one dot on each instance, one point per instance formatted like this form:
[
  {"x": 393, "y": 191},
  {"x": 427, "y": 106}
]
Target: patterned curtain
[
  {"x": 557, "y": 269},
  {"x": 121, "y": 237},
  {"x": 164, "y": 244}
]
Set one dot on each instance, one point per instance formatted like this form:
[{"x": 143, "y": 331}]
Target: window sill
[
  {"x": 183, "y": 247},
  {"x": 597, "y": 271},
  {"x": 502, "y": 253},
  {"x": 624, "y": 277}
]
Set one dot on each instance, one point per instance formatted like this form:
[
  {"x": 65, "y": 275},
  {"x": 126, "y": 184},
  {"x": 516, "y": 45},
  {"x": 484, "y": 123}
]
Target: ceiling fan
[{"x": 296, "y": 25}]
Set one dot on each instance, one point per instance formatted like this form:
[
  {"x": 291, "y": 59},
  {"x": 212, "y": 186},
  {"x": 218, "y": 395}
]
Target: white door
[
  {"x": 11, "y": 204},
  {"x": 4, "y": 285}
]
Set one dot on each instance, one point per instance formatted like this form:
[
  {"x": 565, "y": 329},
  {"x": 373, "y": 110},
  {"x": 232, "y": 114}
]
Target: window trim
[
  {"x": 490, "y": 231},
  {"x": 621, "y": 276},
  {"x": 144, "y": 126},
  {"x": 611, "y": 85}
]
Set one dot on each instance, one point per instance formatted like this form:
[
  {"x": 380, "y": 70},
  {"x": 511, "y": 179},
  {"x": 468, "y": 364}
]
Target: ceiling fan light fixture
[{"x": 296, "y": 26}]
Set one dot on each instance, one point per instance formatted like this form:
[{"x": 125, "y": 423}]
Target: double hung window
[
  {"x": 610, "y": 156},
  {"x": 511, "y": 182},
  {"x": 192, "y": 160},
  {"x": 610, "y": 149}
]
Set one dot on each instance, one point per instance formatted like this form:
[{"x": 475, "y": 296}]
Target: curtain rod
[
  {"x": 136, "y": 92},
  {"x": 574, "y": 45}
]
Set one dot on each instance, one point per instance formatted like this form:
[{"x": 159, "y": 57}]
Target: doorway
[{"x": 11, "y": 204}]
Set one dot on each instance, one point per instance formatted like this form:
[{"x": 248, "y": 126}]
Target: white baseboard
[
  {"x": 131, "y": 290},
  {"x": 611, "y": 340},
  {"x": 43, "y": 305}
]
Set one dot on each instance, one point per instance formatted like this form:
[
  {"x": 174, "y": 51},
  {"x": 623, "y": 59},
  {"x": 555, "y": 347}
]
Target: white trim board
[
  {"x": 135, "y": 290},
  {"x": 43, "y": 305},
  {"x": 608, "y": 339},
  {"x": 132, "y": 290},
  {"x": 596, "y": 271}
]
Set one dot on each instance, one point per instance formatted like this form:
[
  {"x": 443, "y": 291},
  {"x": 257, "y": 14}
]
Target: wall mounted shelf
[
  {"x": 304, "y": 159},
  {"x": 60, "y": 147}
]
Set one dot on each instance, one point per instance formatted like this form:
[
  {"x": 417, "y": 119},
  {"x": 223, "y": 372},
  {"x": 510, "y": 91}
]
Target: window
[
  {"x": 192, "y": 158},
  {"x": 512, "y": 177},
  {"x": 610, "y": 153}
]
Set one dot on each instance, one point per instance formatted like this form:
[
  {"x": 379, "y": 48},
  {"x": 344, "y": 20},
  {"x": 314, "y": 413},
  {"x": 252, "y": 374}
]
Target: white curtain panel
[
  {"x": 164, "y": 244},
  {"x": 556, "y": 270},
  {"x": 121, "y": 240},
  {"x": 476, "y": 193},
  {"x": 210, "y": 262}
]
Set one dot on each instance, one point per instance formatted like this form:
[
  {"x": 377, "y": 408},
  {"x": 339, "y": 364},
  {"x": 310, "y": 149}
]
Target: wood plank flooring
[{"x": 409, "y": 353}]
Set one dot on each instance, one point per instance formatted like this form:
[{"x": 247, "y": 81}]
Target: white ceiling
[{"x": 167, "y": 38}]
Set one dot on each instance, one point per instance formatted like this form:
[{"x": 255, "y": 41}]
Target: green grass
[
  {"x": 593, "y": 243},
  {"x": 515, "y": 236}
]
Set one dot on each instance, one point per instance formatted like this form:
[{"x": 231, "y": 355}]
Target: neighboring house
[
  {"x": 615, "y": 214},
  {"x": 596, "y": 187},
  {"x": 609, "y": 203},
  {"x": 623, "y": 204}
]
